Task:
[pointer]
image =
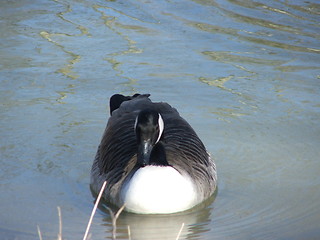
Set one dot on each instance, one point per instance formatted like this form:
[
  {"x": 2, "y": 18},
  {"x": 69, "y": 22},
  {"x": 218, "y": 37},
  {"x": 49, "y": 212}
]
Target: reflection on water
[
  {"x": 189, "y": 224},
  {"x": 245, "y": 74}
]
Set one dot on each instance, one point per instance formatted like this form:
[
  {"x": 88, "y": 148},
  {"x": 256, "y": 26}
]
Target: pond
[{"x": 245, "y": 74}]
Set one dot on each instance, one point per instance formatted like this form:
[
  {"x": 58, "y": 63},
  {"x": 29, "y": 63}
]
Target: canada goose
[{"x": 152, "y": 159}]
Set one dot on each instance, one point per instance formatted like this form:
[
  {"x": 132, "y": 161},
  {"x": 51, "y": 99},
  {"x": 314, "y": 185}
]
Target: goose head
[{"x": 148, "y": 128}]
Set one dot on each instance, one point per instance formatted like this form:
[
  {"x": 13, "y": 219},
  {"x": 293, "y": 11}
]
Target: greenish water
[{"x": 245, "y": 74}]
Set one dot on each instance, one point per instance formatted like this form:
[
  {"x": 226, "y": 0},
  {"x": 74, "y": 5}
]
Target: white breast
[{"x": 158, "y": 189}]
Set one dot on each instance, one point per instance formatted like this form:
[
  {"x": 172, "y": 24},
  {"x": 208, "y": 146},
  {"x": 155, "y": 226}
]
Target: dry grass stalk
[
  {"x": 86, "y": 236},
  {"x": 114, "y": 218},
  {"x": 94, "y": 210},
  {"x": 39, "y": 232},
  {"x": 180, "y": 231},
  {"x": 129, "y": 232},
  {"x": 60, "y": 224}
]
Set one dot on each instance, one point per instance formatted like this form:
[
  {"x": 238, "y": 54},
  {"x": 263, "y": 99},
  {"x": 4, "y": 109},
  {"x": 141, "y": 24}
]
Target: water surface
[{"x": 245, "y": 74}]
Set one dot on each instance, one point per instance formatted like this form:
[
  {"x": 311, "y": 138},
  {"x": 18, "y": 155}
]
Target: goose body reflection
[{"x": 152, "y": 159}]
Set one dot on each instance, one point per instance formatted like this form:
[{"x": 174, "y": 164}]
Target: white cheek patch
[{"x": 161, "y": 127}]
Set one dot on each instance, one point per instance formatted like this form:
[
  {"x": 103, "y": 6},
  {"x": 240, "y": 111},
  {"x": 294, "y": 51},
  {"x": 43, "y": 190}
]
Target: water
[{"x": 245, "y": 74}]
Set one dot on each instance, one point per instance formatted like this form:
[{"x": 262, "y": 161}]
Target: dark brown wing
[{"x": 187, "y": 153}]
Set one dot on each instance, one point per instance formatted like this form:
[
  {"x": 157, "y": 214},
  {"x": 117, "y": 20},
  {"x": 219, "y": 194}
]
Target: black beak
[{"x": 144, "y": 152}]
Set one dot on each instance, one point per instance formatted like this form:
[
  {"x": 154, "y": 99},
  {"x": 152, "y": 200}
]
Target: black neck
[{"x": 158, "y": 155}]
